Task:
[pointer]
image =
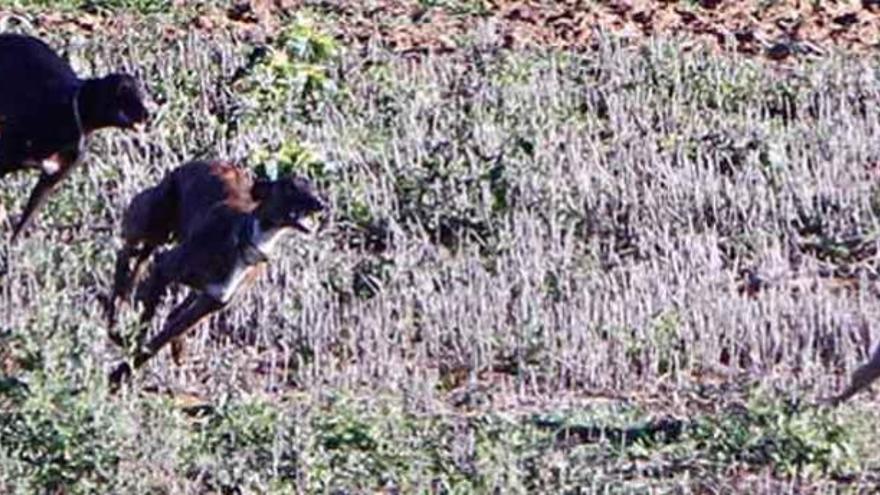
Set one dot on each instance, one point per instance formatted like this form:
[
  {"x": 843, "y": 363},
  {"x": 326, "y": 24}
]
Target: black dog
[
  {"x": 46, "y": 112},
  {"x": 225, "y": 225}
]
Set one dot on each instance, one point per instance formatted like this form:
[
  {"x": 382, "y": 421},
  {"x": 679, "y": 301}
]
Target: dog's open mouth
[
  {"x": 137, "y": 121},
  {"x": 307, "y": 224}
]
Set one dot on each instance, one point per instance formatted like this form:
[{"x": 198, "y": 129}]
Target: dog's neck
[
  {"x": 262, "y": 238},
  {"x": 86, "y": 101}
]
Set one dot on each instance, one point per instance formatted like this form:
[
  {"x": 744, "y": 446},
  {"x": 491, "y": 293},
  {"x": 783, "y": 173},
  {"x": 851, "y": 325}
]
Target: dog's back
[{"x": 171, "y": 208}]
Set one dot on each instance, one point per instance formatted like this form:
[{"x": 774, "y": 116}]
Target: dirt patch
[{"x": 776, "y": 30}]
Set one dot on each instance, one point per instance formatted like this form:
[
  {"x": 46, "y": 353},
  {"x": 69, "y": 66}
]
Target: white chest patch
[
  {"x": 263, "y": 240},
  {"x": 50, "y": 166},
  {"x": 267, "y": 240},
  {"x": 53, "y": 164}
]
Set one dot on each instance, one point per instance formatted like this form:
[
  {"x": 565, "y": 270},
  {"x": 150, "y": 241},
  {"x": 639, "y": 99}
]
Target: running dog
[{"x": 225, "y": 225}]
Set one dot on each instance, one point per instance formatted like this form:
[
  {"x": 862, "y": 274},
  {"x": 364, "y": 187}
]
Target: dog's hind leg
[
  {"x": 151, "y": 291},
  {"x": 127, "y": 276},
  {"x": 186, "y": 315},
  {"x": 124, "y": 279},
  {"x": 140, "y": 260},
  {"x": 178, "y": 344},
  {"x": 121, "y": 288}
]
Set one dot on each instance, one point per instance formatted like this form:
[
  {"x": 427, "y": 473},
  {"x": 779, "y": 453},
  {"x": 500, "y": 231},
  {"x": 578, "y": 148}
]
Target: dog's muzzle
[{"x": 308, "y": 223}]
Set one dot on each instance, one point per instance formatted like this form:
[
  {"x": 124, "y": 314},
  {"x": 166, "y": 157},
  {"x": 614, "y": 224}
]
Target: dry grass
[{"x": 514, "y": 234}]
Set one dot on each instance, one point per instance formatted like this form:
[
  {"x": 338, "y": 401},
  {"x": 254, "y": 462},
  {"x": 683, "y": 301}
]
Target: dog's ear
[{"x": 261, "y": 189}]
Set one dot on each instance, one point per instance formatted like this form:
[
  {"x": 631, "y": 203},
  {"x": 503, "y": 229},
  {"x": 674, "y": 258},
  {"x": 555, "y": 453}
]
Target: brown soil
[
  {"x": 783, "y": 29},
  {"x": 777, "y": 30}
]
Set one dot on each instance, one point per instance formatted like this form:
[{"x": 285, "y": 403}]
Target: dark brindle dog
[
  {"x": 46, "y": 112},
  {"x": 226, "y": 225}
]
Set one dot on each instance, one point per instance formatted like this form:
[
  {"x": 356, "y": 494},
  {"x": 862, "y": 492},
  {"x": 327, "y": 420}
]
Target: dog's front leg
[
  {"x": 45, "y": 185},
  {"x": 187, "y": 315}
]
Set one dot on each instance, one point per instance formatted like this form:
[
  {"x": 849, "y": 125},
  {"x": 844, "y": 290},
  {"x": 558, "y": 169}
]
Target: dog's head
[
  {"x": 288, "y": 202},
  {"x": 115, "y": 100}
]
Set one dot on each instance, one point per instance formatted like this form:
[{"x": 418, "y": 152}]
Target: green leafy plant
[
  {"x": 789, "y": 438},
  {"x": 57, "y": 438},
  {"x": 234, "y": 446},
  {"x": 291, "y": 72},
  {"x": 292, "y": 157}
]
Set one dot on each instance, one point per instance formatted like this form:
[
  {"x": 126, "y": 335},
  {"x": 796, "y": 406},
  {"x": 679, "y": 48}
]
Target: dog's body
[
  {"x": 226, "y": 225},
  {"x": 47, "y": 111},
  {"x": 172, "y": 209}
]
